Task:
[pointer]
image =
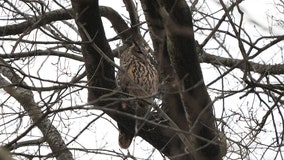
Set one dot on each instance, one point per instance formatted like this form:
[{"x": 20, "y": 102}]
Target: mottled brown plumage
[{"x": 137, "y": 77}]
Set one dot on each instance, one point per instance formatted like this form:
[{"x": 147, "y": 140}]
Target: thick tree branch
[
  {"x": 49, "y": 17},
  {"x": 47, "y": 52},
  {"x": 133, "y": 14},
  {"x": 192, "y": 105},
  {"x": 193, "y": 93},
  {"x": 25, "y": 98},
  {"x": 240, "y": 64},
  {"x": 99, "y": 71}
]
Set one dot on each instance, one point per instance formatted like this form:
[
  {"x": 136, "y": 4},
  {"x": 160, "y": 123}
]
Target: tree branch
[
  {"x": 47, "y": 52},
  {"x": 193, "y": 101},
  {"x": 123, "y": 30},
  {"x": 25, "y": 98},
  {"x": 49, "y": 17},
  {"x": 238, "y": 63},
  {"x": 133, "y": 14}
]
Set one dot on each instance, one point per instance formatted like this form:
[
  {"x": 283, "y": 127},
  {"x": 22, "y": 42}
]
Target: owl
[{"x": 138, "y": 77}]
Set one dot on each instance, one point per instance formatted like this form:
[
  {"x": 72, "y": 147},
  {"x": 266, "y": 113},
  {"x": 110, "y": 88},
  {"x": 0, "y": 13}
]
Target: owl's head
[{"x": 135, "y": 52}]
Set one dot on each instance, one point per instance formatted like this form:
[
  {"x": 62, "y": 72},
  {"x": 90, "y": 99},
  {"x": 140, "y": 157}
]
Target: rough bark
[
  {"x": 39, "y": 119},
  {"x": 190, "y": 108},
  {"x": 99, "y": 71}
]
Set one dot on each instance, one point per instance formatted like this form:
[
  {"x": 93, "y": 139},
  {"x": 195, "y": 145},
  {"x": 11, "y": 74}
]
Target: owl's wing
[
  {"x": 122, "y": 81},
  {"x": 125, "y": 137}
]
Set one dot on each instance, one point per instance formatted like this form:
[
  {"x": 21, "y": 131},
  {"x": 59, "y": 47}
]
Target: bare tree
[{"x": 53, "y": 52}]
